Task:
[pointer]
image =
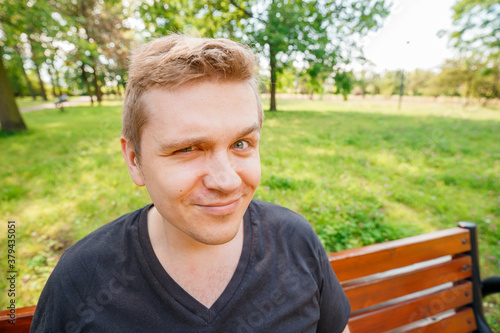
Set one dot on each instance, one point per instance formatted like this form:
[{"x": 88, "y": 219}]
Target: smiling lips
[{"x": 220, "y": 208}]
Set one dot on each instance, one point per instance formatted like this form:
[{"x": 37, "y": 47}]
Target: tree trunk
[
  {"x": 40, "y": 82},
  {"x": 401, "y": 90},
  {"x": 26, "y": 78},
  {"x": 55, "y": 86},
  {"x": 28, "y": 83},
  {"x": 468, "y": 89},
  {"x": 35, "y": 61},
  {"x": 54, "y": 92},
  {"x": 10, "y": 117},
  {"x": 87, "y": 84},
  {"x": 272, "y": 64},
  {"x": 97, "y": 89}
]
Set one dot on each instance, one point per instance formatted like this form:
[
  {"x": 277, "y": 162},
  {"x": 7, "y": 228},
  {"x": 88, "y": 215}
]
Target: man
[{"x": 204, "y": 256}]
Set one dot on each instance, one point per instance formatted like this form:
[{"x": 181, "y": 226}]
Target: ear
[{"x": 132, "y": 165}]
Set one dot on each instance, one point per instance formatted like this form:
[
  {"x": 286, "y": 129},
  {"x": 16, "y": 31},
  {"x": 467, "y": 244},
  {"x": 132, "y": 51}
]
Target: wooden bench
[
  {"x": 426, "y": 283},
  {"x": 23, "y": 316}
]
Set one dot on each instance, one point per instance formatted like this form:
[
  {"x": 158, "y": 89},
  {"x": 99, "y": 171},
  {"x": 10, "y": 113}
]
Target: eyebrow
[{"x": 198, "y": 140}]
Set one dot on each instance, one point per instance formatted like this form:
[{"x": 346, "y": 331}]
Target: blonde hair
[{"x": 174, "y": 60}]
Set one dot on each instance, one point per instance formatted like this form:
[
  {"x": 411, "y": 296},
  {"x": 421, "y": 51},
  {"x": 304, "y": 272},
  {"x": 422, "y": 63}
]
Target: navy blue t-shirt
[{"x": 112, "y": 281}]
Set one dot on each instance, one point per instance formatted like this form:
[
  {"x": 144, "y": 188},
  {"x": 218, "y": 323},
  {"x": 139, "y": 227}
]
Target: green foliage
[
  {"x": 319, "y": 35},
  {"x": 465, "y": 77},
  {"x": 16, "y": 79},
  {"x": 275, "y": 182},
  {"x": 418, "y": 82},
  {"x": 390, "y": 83},
  {"x": 81, "y": 39},
  {"x": 372, "y": 84},
  {"x": 344, "y": 81},
  {"x": 477, "y": 27},
  {"x": 198, "y": 18},
  {"x": 287, "y": 81},
  {"x": 476, "y": 36},
  {"x": 349, "y": 225},
  {"x": 468, "y": 78}
]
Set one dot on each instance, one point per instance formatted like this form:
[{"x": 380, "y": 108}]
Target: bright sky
[{"x": 416, "y": 22}]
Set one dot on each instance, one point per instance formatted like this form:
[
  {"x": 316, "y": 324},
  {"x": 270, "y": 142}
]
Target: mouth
[{"x": 220, "y": 208}]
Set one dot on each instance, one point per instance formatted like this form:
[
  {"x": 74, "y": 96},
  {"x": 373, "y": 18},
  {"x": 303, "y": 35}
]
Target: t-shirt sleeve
[
  {"x": 59, "y": 307},
  {"x": 49, "y": 313},
  {"x": 334, "y": 305}
]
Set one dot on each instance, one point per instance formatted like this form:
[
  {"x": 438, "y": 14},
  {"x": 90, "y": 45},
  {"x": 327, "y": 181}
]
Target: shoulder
[
  {"x": 271, "y": 212},
  {"x": 104, "y": 246},
  {"x": 277, "y": 224},
  {"x": 84, "y": 268},
  {"x": 107, "y": 235},
  {"x": 275, "y": 216}
]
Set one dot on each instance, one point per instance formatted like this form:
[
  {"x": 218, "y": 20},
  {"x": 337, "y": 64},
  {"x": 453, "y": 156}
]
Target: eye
[
  {"x": 240, "y": 144},
  {"x": 187, "y": 149}
]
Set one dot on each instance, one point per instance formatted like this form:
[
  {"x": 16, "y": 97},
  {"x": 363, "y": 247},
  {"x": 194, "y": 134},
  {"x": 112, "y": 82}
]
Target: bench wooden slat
[
  {"x": 369, "y": 293},
  {"x": 461, "y": 322},
  {"x": 409, "y": 311},
  {"x": 355, "y": 263},
  {"x": 24, "y": 316}
]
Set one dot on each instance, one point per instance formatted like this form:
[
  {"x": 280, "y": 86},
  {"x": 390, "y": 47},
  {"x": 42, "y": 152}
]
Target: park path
[{"x": 71, "y": 102}]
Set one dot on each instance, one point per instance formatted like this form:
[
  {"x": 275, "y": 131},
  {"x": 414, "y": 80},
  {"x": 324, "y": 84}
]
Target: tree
[
  {"x": 316, "y": 35},
  {"x": 477, "y": 37},
  {"x": 13, "y": 67},
  {"x": 59, "y": 38},
  {"x": 30, "y": 32},
  {"x": 14, "y": 62},
  {"x": 98, "y": 38},
  {"x": 373, "y": 83},
  {"x": 477, "y": 27},
  {"x": 10, "y": 118},
  {"x": 311, "y": 35},
  {"x": 38, "y": 57},
  {"x": 344, "y": 81},
  {"x": 418, "y": 81},
  {"x": 451, "y": 80},
  {"x": 288, "y": 81},
  {"x": 390, "y": 83},
  {"x": 361, "y": 83},
  {"x": 25, "y": 75},
  {"x": 466, "y": 77}
]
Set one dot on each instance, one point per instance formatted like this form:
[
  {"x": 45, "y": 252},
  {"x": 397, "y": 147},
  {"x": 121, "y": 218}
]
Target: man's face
[{"x": 200, "y": 157}]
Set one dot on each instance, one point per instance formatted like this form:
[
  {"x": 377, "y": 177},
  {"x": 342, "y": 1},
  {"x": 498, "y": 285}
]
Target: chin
[{"x": 217, "y": 237}]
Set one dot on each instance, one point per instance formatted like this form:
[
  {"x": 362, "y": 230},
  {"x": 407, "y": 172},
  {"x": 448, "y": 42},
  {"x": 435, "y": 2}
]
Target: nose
[{"x": 221, "y": 174}]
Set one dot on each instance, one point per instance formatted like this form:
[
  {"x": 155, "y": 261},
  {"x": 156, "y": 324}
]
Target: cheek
[
  {"x": 250, "y": 171},
  {"x": 174, "y": 181}
]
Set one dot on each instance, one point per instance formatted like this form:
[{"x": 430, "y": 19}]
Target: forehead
[{"x": 201, "y": 108}]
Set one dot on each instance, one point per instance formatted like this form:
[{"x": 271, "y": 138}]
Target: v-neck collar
[{"x": 173, "y": 290}]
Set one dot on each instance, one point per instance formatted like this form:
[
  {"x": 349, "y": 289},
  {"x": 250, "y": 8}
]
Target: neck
[{"x": 170, "y": 244}]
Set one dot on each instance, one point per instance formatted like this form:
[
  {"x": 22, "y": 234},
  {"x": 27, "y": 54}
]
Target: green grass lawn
[
  {"x": 28, "y": 101},
  {"x": 361, "y": 172}
]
